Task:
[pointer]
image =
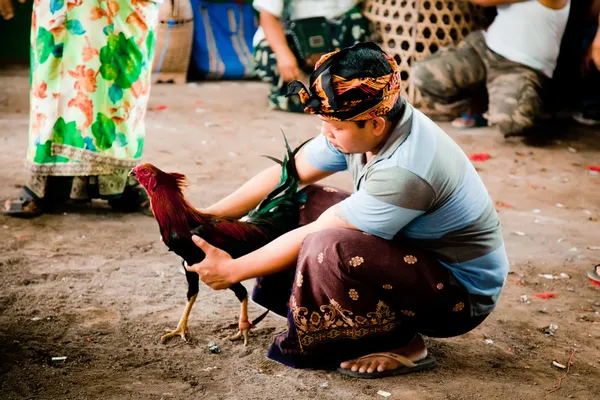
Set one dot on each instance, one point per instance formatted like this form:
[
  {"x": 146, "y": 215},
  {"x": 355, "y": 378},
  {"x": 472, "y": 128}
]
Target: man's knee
[
  {"x": 423, "y": 76},
  {"x": 439, "y": 78},
  {"x": 335, "y": 247},
  {"x": 316, "y": 242},
  {"x": 512, "y": 124},
  {"x": 515, "y": 114}
]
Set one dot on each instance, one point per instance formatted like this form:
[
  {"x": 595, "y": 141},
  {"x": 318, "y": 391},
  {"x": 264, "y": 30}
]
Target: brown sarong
[{"x": 351, "y": 294}]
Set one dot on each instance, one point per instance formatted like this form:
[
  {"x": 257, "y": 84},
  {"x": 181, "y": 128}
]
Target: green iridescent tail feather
[{"x": 286, "y": 195}]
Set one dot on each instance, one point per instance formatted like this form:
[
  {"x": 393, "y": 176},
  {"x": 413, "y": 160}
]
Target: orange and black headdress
[{"x": 349, "y": 94}]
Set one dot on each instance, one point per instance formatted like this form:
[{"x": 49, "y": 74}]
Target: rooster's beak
[{"x": 132, "y": 173}]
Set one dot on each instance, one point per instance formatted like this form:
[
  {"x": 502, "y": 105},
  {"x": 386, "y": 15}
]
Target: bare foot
[{"x": 414, "y": 351}]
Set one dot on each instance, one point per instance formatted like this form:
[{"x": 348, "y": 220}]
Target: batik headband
[{"x": 348, "y": 95}]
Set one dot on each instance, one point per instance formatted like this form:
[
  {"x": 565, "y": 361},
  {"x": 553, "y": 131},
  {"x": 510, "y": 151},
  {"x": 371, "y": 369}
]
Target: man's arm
[
  {"x": 594, "y": 11},
  {"x": 274, "y": 32},
  {"x": 281, "y": 252},
  {"x": 492, "y": 3},
  {"x": 219, "y": 270},
  {"x": 248, "y": 196},
  {"x": 593, "y": 54},
  {"x": 554, "y": 4},
  {"x": 383, "y": 213},
  {"x": 275, "y": 36}
]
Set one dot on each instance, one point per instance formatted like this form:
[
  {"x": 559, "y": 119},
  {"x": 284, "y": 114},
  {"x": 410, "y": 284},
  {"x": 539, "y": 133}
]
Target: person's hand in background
[{"x": 6, "y": 8}]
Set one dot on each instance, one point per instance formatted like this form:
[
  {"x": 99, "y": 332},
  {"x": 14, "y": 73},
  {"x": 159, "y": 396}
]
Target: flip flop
[
  {"x": 594, "y": 275},
  {"x": 406, "y": 368},
  {"x": 463, "y": 122},
  {"x": 25, "y": 206}
]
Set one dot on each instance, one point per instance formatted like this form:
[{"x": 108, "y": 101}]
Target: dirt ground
[{"x": 99, "y": 288}]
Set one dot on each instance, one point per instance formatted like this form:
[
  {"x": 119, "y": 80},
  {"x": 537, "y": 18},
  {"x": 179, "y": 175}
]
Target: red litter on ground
[
  {"x": 480, "y": 157},
  {"x": 160, "y": 107},
  {"x": 502, "y": 204},
  {"x": 595, "y": 168},
  {"x": 545, "y": 295}
]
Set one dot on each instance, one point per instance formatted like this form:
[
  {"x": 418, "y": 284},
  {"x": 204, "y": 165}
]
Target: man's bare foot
[{"x": 414, "y": 351}]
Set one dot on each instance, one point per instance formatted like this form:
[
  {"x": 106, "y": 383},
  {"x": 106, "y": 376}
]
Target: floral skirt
[
  {"x": 91, "y": 64},
  {"x": 351, "y": 294}
]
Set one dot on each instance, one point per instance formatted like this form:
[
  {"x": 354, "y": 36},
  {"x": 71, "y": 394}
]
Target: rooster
[{"x": 178, "y": 220}]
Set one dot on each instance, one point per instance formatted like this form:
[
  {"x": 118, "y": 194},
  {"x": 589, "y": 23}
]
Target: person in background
[
  {"x": 590, "y": 67},
  {"x": 278, "y": 63},
  {"x": 514, "y": 59},
  {"x": 90, "y": 83}
]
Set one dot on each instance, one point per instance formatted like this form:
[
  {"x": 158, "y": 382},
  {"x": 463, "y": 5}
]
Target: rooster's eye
[{"x": 145, "y": 171}]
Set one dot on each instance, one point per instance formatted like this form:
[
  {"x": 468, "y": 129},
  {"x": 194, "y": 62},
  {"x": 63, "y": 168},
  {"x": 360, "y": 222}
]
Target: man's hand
[
  {"x": 591, "y": 56},
  {"x": 215, "y": 269},
  {"x": 288, "y": 66},
  {"x": 593, "y": 53},
  {"x": 6, "y": 8}
]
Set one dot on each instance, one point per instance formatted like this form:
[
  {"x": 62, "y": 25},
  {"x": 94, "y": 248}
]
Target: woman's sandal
[{"x": 25, "y": 206}]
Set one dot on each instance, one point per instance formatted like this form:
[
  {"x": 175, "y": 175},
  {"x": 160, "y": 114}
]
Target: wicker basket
[
  {"x": 412, "y": 30},
  {"x": 174, "y": 36}
]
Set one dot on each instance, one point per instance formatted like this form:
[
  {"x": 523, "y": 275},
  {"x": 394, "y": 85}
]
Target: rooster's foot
[
  {"x": 244, "y": 327},
  {"x": 182, "y": 327},
  {"x": 239, "y": 335},
  {"x": 180, "y": 331}
]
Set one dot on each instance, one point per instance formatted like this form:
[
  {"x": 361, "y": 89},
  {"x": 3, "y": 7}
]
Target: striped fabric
[
  {"x": 223, "y": 34},
  {"x": 348, "y": 95}
]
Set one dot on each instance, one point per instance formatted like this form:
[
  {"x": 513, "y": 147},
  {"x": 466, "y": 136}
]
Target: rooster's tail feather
[
  {"x": 259, "y": 318},
  {"x": 286, "y": 193},
  {"x": 274, "y": 159}
]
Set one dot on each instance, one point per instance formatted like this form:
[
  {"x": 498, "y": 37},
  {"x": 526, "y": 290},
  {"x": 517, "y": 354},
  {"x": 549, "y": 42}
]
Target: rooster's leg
[
  {"x": 244, "y": 324},
  {"x": 182, "y": 328}
]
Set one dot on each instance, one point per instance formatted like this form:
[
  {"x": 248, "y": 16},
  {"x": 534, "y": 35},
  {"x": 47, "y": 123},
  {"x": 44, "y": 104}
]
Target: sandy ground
[{"x": 99, "y": 288}]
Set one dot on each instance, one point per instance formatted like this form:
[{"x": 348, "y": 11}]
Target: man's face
[{"x": 349, "y": 138}]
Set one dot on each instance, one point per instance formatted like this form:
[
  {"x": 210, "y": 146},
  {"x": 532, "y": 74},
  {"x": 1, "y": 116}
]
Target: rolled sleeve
[{"x": 323, "y": 156}]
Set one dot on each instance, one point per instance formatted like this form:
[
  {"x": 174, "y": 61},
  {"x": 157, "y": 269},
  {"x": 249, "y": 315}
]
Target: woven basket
[
  {"x": 174, "y": 36},
  {"x": 412, "y": 30}
]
